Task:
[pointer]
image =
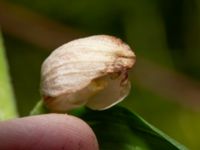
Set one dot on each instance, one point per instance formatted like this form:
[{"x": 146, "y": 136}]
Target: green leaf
[
  {"x": 7, "y": 101},
  {"x": 119, "y": 129}
]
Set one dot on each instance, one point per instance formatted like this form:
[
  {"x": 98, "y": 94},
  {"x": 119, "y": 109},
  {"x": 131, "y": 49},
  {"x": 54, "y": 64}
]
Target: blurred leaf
[
  {"x": 118, "y": 128},
  {"x": 7, "y": 103},
  {"x": 25, "y": 79}
]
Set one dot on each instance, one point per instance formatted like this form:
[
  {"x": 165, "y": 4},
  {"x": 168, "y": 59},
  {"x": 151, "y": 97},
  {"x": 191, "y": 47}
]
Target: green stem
[
  {"x": 39, "y": 108},
  {"x": 7, "y": 101}
]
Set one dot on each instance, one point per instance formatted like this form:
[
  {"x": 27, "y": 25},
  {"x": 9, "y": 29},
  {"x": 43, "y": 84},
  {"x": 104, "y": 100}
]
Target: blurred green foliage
[
  {"x": 7, "y": 101},
  {"x": 166, "y": 32}
]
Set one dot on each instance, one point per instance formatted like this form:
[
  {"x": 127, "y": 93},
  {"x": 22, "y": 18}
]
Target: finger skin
[{"x": 51, "y": 132}]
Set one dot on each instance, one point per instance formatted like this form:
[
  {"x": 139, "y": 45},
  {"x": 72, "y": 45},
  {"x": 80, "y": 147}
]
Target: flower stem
[{"x": 39, "y": 108}]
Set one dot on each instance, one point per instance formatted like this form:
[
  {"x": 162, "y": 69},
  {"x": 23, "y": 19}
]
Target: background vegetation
[{"x": 165, "y": 36}]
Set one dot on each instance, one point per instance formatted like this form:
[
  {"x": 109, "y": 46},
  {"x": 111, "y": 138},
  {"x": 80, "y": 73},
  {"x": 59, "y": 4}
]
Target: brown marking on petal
[
  {"x": 47, "y": 99},
  {"x": 124, "y": 79}
]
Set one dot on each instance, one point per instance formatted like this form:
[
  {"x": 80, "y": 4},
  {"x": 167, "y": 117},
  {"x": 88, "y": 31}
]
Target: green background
[{"x": 164, "y": 35}]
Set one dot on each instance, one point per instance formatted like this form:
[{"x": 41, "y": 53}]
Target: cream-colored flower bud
[{"x": 91, "y": 71}]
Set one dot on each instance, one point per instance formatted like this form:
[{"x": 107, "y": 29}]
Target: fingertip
[{"x": 52, "y": 131}]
